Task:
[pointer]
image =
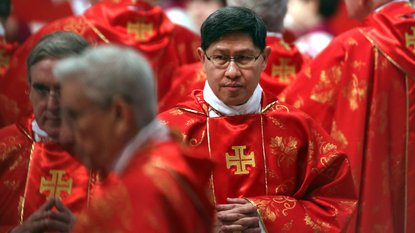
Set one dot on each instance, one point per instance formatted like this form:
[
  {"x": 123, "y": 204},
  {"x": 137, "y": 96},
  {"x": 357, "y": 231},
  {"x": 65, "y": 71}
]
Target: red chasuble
[
  {"x": 361, "y": 89},
  {"x": 159, "y": 191},
  {"x": 31, "y": 172},
  {"x": 284, "y": 62},
  {"x": 166, "y": 45},
  {"x": 280, "y": 160}
]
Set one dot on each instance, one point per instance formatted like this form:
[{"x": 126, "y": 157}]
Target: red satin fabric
[
  {"x": 24, "y": 163},
  {"x": 361, "y": 90},
  {"x": 154, "y": 195},
  {"x": 299, "y": 181},
  {"x": 166, "y": 45}
]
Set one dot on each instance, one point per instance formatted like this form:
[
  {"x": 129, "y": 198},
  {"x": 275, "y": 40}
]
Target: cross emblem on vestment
[
  {"x": 4, "y": 60},
  {"x": 56, "y": 185},
  {"x": 140, "y": 29},
  {"x": 410, "y": 39},
  {"x": 283, "y": 70},
  {"x": 240, "y": 160}
]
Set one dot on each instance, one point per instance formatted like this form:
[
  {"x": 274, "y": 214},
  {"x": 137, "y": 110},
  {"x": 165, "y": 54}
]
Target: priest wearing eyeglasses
[{"x": 277, "y": 169}]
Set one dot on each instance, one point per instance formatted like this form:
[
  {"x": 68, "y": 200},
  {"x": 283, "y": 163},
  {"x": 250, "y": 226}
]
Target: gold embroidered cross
[
  {"x": 56, "y": 185},
  {"x": 284, "y": 70},
  {"x": 410, "y": 40},
  {"x": 240, "y": 160},
  {"x": 140, "y": 29},
  {"x": 4, "y": 60}
]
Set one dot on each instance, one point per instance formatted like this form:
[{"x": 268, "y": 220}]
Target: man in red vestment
[
  {"x": 133, "y": 23},
  {"x": 277, "y": 170},
  {"x": 109, "y": 108},
  {"x": 361, "y": 90},
  {"x": 284, "y": 61},
  {"x": 36, "y": 173}
]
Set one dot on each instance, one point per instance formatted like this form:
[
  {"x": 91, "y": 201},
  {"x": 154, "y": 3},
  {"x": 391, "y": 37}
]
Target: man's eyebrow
[
  {"x": 40, "y": 86},
  {"x": 45, "y": 86},
  {"x": 243, "y": 51}
]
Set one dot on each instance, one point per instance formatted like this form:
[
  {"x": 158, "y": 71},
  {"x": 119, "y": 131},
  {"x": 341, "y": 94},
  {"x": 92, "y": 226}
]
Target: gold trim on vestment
[
  {"x": 210, "y": 157},
  {"x": 269, "y": 106},
  {"x": 191, "y": 110},
  {"x": 25, "y": 132},
  {"x": 406, "y": 152},
  {"x": 265, "y": 159},
  {"x": 259, "y": 215},
  {"x": 27, "y": 182},
  {"x": 96, "y": 30},
  {"x": 384, "y": 54},
  {"x": 89, "y": 189}
]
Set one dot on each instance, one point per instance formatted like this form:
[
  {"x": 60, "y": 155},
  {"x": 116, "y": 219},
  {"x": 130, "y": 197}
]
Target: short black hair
[
  {"x": 327, "y": 8},
  {"x": 5, "y": 8},
  {"x": 233, "y": 19},
  {"x": 59, "y": 44}
]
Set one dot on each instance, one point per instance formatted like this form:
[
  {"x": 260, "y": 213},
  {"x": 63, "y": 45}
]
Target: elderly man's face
[
  {"x": 235, "y": 82},
  {"x": 86, "y": 126},
  {"x": 44, "y": 95}
]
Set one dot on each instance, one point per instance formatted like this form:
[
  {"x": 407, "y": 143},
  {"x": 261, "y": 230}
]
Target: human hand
[
  {"x": 63, "y": 220},
  {"x": 37, "y": 221},
  {"x": 238, "y": 215}
]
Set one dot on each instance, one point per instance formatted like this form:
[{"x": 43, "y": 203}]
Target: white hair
[
  {"x": 272, "y": 12},
  {"x": 108, "y": 71}
]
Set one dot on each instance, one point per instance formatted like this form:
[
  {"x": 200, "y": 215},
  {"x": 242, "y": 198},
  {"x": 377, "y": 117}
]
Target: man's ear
[
  {"x": 265, "y": 55},
  {"x": 122, "y": 117},
  {"x": 202, "y": 57}
]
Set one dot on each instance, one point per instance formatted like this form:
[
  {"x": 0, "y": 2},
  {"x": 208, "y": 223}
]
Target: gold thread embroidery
[
  {"x": 27, "y": 182},
  {"x": 355, "y": 92},
  {"x": 100, "y": 35},
  {"x": 325, "y": 90},
  {"x": 338, "y": 136},
  {"x": 286, "y": 148},
  {"x": 410, "y": 39},
  {"x": 283, "y": 70},
  {"x": 263, "y": 152},
  {"x": 240, "y": 160},
  {"x": 56, "y": 185},
  {"x": 278, "y": 123},
  {"x": 210, "y": 156},
  {"x": 384, "y": 54},
  {"x": 140, "y": 29},
  {"x": 193, "y": 142}
]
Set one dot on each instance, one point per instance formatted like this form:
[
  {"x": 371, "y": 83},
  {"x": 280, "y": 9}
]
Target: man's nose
[
  {"x": 53, "y": 100},
  {"x": 232, "y": 71}
]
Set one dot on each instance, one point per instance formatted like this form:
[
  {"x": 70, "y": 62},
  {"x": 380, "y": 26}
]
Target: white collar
[
  {"x": 154, "y": 131},
  {"x": 252, "y": 106},
  {"x": 394, "y": 1},
  {"x": 274, "y": 34},
  {"x": 40, "y": 135}
]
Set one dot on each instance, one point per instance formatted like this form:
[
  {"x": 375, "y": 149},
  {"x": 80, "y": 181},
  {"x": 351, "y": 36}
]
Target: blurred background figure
[
  {"x": 109, "y": 109},
  {"x": 199, "y": 10},
  {"x": 12, "y": 29},
  {"x": 138, "y": 24},
  {"x": 307, "y": 20}
]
